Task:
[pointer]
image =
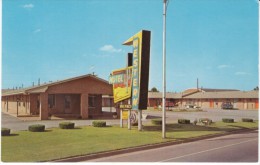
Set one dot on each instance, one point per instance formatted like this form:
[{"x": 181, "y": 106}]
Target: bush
[
  {"x": 134, "y": 124},
  {"x": 114, "y": 115},
  {"x": 247, "y": 120},
  {"x": 228, "y": 120},
  {"x": 66, "y": 125},
  {"x": 205, "y": 121},
  {"x": 183, "y": 121},
  {"x": 37, "y": 128},
  {"x": 99, "y": 124},
  {"x": 5, "y": 132},
  {"x": 157, "y": 121}
]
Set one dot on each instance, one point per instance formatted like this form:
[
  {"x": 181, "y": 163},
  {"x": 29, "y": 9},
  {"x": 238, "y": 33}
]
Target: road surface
[{"x": 242, "y": 147}]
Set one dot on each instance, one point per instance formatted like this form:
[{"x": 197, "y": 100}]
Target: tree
[
  {"x": 256, "y": 89},
  {"x": 154, "y": 89}
]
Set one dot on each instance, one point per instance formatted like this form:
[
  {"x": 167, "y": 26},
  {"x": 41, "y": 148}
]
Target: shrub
[
  {"x": 228, "y": 120},
  {"x": 157, "y": 121},
  {"x": 247, "y": 120},
  {"x": 114, "y": 115},
  {"x": 99, "y": 124},
  {"x": 205, "y": 121},
  {"x": 66, "y": 125},
  {"x": 183, "y": 121},
  {"x": 134, "y": 124},
  {"x": 195, "y": 122},
  {"x": 5, "y": 132},
  {"x": 37, "y": 128}
]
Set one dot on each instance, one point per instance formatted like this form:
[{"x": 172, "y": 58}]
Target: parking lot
[{"x": 215, "y": 115}]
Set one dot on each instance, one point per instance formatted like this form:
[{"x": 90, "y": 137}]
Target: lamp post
[{"x": 165, "y": 3}]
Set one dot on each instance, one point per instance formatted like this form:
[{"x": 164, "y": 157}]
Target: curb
[{"x": 144, "y": 147}]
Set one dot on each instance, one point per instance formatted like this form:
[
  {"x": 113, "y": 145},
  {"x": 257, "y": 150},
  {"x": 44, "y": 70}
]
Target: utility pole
[{"x": 164, "y": 69}]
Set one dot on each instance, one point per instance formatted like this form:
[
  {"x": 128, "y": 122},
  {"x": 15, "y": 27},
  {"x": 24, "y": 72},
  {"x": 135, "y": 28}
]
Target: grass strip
[{"x": 59, "y": 143}]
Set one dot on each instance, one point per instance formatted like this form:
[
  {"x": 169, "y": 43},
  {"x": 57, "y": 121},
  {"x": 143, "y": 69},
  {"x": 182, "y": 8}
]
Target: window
[
  {"x": 91, "y": 101},
  {"x": 51, "y": 101}
]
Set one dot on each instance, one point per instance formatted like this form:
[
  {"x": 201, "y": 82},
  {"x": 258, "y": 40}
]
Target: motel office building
[{"x": 78, "y": 97}]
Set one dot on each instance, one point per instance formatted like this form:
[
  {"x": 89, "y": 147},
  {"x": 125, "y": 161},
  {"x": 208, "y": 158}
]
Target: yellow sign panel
[
  {"x": 124, "y": 115},
  {"x": 125, "y": 106},
  {"x": 122, "y": 83}
]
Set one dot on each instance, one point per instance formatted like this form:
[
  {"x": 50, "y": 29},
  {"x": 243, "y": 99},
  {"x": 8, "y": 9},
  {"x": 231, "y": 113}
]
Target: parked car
[
  {"x": 191, "y": 106},
  {"x": 226, "y": 105}
]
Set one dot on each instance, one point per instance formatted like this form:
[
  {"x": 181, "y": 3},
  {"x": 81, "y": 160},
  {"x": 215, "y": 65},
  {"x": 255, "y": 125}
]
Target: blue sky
[{"x": 213, "y": 40}]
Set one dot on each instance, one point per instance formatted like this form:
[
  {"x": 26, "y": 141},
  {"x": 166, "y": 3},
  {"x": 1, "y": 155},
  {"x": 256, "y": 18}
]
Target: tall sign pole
[{"x": 164, "y": 71}]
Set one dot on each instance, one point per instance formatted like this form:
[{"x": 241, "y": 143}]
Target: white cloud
[
  {"x": 110, "y": 49},
  {"x": 224, "y": 66},
  {"x": 28, "y": 6},
  {"x": 242, "y": 73},
  {"x": 37, "y": 31}
]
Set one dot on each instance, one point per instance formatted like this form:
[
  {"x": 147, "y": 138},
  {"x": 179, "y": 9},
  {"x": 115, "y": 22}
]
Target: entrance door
[
  {"x": 67, "y": 104},
  {"x": 256, "y": 104},
  {"x": 235, "y": 103},
  {"x": 211, "y": 103}
]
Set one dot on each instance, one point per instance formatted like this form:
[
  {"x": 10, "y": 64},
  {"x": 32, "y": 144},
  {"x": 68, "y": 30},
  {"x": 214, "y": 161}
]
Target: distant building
[
  {"x": 207, "y": 98},
  {"x": 75, "y": 97}
]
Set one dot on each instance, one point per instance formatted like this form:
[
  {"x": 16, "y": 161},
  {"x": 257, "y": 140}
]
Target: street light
[{"x": 165, "y": 4}]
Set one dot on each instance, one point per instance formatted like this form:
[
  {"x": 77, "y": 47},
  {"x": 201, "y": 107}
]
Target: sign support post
[
  {"x": 129, "y": 117},
  {"x": 121, "y": 117},
  {"x": 139, "y": 120}
]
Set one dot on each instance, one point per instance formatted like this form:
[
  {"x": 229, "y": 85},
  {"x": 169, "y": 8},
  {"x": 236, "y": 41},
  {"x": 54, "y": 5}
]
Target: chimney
[{"x": 39, "y": 81}]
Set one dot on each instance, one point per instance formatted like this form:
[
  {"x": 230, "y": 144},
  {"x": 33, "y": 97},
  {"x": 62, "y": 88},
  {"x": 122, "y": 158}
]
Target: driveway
[
  {"x": 16, "y": 124},
  {"x": 213, "y": 114}
]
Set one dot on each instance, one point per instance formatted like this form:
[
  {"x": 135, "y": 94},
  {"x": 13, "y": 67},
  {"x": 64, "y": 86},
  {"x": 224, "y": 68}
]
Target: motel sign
[{"x": 140, "y": 70}]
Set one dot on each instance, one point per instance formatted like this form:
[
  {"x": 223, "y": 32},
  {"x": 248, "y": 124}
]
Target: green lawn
[{"x": 25, "y": 146}]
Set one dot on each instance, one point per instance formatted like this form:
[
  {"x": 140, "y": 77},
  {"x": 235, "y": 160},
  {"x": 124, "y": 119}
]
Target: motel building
[
  {"x": 207, "y": 98},
  {"x": 90, "y": 97},
  {"x": 78, "y": 97}
]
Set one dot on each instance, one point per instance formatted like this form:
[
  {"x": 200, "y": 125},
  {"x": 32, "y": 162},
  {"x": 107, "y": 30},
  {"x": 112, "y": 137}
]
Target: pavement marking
[
  {"x": 207, "y": 150},
  {"x": 134, "y": 153}
]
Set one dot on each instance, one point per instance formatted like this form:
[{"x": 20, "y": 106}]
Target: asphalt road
[{"x": 241, "y": 147}]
